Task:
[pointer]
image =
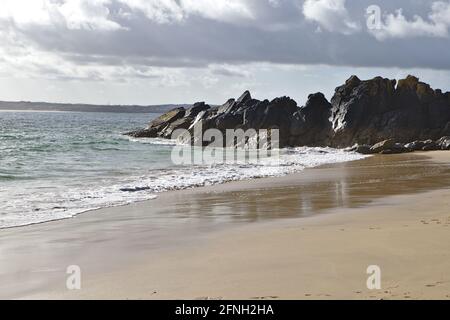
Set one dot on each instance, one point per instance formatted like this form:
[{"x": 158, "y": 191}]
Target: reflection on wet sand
[
  {"x": 34, "y": 258},
  {"x": 346, "y": 185}
]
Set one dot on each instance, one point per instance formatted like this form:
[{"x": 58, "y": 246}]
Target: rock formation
[
  {"x": 367, "y": 112},
  {"x": 373, "y": 116}
]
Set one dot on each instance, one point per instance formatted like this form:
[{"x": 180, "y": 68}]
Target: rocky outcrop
[
  {"x": 444, "y": 143},
  {"x": 383, "y": 146},
  {"x": 366, "y": 112},
  {"x": 357, "y": 107},
  {"x": 159, "y": 125},
  {"x": 388, "y": 147},
  {"x": 401, "y": 115},
  {"x": 310, "y": 125}
]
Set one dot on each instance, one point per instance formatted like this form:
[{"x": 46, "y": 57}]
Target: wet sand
[{"x": 307, "y": 235}]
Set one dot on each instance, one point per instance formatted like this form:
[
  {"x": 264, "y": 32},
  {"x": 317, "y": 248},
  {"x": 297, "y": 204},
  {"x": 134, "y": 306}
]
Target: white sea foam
[
  {"x": 54, "y": 204},
  {"x": 154, "y": 141}
]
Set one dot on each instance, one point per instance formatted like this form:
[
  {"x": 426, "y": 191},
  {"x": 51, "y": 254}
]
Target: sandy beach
[{"x": 309, "y": 235}]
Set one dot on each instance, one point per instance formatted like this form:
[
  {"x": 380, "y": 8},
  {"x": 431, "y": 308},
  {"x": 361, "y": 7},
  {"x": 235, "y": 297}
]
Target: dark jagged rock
[
  {"x": 168, "y": 118},
  {"x": 397, "y": 148},
  {"x": 196, "y": 109},
  {"x": 227, "y": 107},
  {"x": 157, "y": 127},
  {"x": 415, "y": 146},
  {"x": 183, "y": 123},
  {"x": 361, "y": 113},
  {"x": 357, "y": 109},
  {"x": 430, "y": 145},
  {"x": 383, "y": 146},
  {"x": 311, "y": 125},
  {"x": 365, "y": 112},
  {"x": 363, "y": 149},
  {"x": 444, "y": 143},
  {"x": 245, "y": 97},
  {"x": 144, "y": 133},
  {"x": 278, "y": 115}
]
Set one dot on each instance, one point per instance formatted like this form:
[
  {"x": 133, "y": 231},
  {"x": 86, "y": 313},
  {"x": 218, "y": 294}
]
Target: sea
[{"x": 55, "y": 165}]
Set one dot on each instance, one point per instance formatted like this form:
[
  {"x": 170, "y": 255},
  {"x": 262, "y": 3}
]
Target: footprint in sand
[
  {"x": 434, "y": 284},
  {"x": 407, "y": 295}
]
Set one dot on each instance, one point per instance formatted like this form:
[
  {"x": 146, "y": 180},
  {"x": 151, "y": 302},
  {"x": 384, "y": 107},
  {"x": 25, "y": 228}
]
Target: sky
[{"x": 182, "y": 51}]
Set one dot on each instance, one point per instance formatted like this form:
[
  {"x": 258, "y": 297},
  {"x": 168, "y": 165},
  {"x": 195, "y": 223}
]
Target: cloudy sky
[{"x": 182, "y": 51}]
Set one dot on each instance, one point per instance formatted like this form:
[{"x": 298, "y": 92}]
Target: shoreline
[
  {"x": 207, "y": 218},
  {"x": 201, "y": 188}
]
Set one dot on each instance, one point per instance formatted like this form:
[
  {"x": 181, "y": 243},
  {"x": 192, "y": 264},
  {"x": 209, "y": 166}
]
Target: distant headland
[{"x": 69, "y": 107}]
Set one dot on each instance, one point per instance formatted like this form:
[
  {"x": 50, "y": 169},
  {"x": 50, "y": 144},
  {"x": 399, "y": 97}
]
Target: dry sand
[{"x": 305, "y": 236}]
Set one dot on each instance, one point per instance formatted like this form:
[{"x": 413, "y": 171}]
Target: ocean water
[{"x": 54, "y": 165}]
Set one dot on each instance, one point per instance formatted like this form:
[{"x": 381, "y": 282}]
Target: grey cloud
[
  {"x": 228, "y": 71},
  {"x": 278, "y": 34}
]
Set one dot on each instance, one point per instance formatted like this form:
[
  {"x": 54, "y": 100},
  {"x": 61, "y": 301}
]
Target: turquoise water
[{"x": 54, "y": 165}]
